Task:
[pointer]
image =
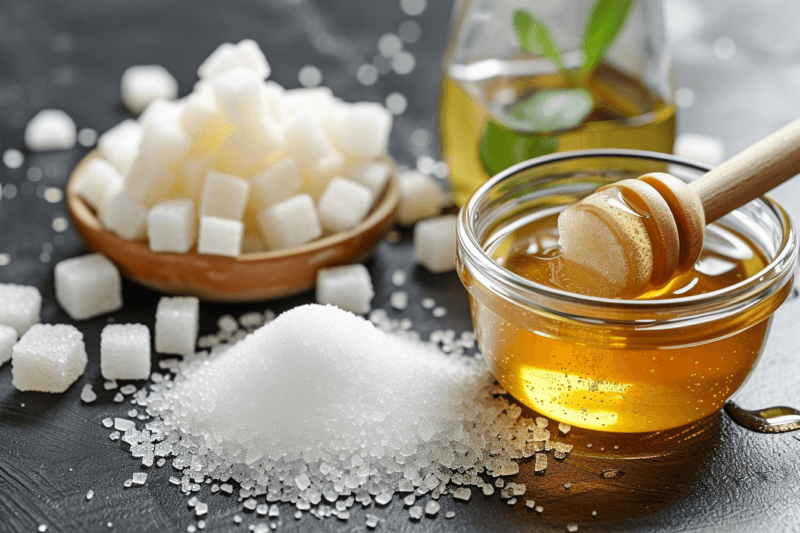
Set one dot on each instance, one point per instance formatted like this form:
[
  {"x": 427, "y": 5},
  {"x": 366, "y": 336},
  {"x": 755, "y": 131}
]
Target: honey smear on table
[{"x": 610, "y": 377}]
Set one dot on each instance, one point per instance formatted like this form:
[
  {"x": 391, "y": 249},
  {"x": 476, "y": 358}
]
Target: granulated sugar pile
[{"x": 320, "y": 403}]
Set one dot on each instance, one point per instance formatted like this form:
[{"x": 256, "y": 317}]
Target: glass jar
[
  {"x": 500, "y": 104},
  {"x": 616, "y": 365}
]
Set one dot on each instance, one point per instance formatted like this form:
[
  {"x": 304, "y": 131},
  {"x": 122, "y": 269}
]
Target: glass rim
[{"x": 517, "y": 287}]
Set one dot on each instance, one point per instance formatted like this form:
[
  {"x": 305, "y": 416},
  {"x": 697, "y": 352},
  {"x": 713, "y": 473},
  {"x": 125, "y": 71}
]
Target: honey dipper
[{"x": 642, "y": 231}]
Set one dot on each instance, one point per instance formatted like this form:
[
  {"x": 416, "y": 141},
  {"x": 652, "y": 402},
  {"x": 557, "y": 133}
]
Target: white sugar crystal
[
  {"x": 399, "y": 300},
  {"x": 90, "y": 495},
  {"x": 87, "y": 394},
  {"x": 163, "y": 139},
  {"x": 220, "y": 236},
  {"x": 88, "y": 286},
  {"x": 201, "y": 509},
  {"x": 124, "y": 216},
  {"x": 107, "y": 422},
  {"x": 347, "y": 287},
  {"x": 125, "y": 351},
  {"x": 201, "y": 119},
  {"x": 246, "y": 53},
  {"x": 435, "y": 243},
  {"x": 462, "y": 493},
  {"x": 432, "y": 508},
  {"x": 274, "y": 184},
  {"x": 98, "y": 182},
  {"x": 172, "y": 226},
  {"x": 344, "y": 204},
  {"x": 290, "y": 223},
  {"x": 20, "y": 306},
  {"x": 120, "y": 145},
  {"x": 50, "y": 129},
  {"x": 224, "y": 196},
  {"x": 373, "y": 176},
  {"x": 415, "y": 512},
  {"x": 305, "y": 139},
  {"x": 139, "y": 478},
  {"x": 703, "y": 148},
  {"x": 128, "y": 389},
  {"x": 420, "y": 198},
  {"x": 372, "y": 521},
  {"x": 241, "y": 153},
  {"x": 48, "y": 358},
  {"x": 110, "y": 385},
  {"x": 143, "y": 84},
  {"x": 177, "y": 321},
  {"x": 119, "y": 398},
  {"x": 363, "y": 131},
  {"x": 239, "y": 97},
  {"x": 572, "y": 527}
]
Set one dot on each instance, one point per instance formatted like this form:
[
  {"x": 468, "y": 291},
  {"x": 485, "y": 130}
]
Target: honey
[{"x": 667, "y": 358}]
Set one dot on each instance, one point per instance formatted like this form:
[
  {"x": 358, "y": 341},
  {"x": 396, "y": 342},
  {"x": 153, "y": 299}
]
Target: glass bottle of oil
[{"x": 524, "y": 78}]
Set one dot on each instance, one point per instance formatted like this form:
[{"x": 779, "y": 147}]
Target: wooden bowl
[{"x": 247, "y": 278}]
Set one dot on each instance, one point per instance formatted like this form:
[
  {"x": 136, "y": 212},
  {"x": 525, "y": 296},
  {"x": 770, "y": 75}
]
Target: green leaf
[
  {"x": 550, "y": 110},
  {"x": 500, "y": 148},
  {"x": 535, "y": 37},
  {"x": 606, "y": 19}
]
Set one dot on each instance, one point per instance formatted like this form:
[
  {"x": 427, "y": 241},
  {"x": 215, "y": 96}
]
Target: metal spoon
[{"x": 777, "y": 419}]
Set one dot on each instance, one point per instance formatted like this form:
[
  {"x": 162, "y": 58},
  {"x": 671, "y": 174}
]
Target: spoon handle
[{"x": 751, "y": 173}]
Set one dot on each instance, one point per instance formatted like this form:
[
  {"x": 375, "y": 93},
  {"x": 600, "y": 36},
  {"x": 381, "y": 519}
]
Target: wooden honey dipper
[{"x": 642, "y": 231}]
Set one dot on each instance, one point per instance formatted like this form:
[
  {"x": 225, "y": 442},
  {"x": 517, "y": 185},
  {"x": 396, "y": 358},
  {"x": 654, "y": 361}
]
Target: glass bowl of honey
[{"x": 665, "y": 359}]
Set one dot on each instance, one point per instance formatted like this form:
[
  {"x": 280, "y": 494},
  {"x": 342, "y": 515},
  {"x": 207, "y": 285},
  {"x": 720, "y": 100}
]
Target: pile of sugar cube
[{"x": 240, "y": 165}]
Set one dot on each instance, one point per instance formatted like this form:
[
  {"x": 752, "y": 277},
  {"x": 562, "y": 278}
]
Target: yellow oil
[
  {"x": 625, "y": 115},
  {"x": 619, "y": 379}
]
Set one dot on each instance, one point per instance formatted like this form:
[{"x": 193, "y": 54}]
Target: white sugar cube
[
  {"x": 48, "y": 358},
  {"x": 200, "y": 116},
  {"x": 143, "y": 84},
  {"x": 224, "y": 196},
  {"x": 176, "y": 324},
  {"x": 8, "y": 338},
  {"x": 149, "y": 182},
  {"x": 192, "y": 173},
  {"x": 125, "y": 351},
  {"x": 238, "y": 95},
  {"x": 163, "y": 138},
  {"x": 435, "y": 243},
  {"x": 317, "y": 176},
  {"x": 290, "y": 223},
  {"x": 364, "y": 130},
  {"x": 88, "y": 286},
  {"x": 227, "y": 56},
  {"x": 272, "y": 95},
  {"x": 20, "y": 306},
  {"x": 347, "y": 287},
  {"x": 274, "y": 184},
  {"x": 305, "y": 140},
  {"x": 120, "y": 145},
  {"x": 703, "y": 148},
  {"x": 172, "y": 226},
  {"x": 374, "y": 176},
  {"x": 420, "y": 198},
  {"x": 50, "y": 129},
  {"x": 344, "y": 204},
  {"x": 220, "y": 236},
  {"x": 241, "y": 153},
  {"x": 312, "y": 100},
  {"x": 125, "y": 217},
  {"x": 98, "y": 183}
]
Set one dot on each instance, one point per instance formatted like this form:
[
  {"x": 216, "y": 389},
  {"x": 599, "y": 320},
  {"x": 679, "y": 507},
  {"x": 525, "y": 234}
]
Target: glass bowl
[{"x": 616, "y": 365}]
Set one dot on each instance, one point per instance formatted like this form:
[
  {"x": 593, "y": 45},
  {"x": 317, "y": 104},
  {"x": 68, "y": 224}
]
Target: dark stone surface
[{"x": 712, "y": 477}]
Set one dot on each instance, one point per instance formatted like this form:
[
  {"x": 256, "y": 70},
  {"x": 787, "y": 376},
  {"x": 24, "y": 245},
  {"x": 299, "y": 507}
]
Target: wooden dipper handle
[{"x": 751, "y": 173}]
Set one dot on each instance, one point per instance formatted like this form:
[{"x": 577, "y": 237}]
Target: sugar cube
[
  {"x": 48, "y": 358},
  {"x": 148, "y": 181},
  {"x": 201, "y": 119},
  {"x": 8, "y": 338},
  {"x": 172, "y": 226},
  {"x": 163, "y": 138},
  {"x": 246, "y": 53},
  {"x": 290, "y": 223},
  {"x": 274, "y": 184},
  {"x": 435, "y": 243},
  {"x": 176, "y": 324},
  {"x": 125, "y": 217},
  {"x": 344, "y": 204},
  {"x": 420, "y": 198},
  {"x": 305, "y": 140},
  {"x": 372, "y": 175},
  {"x": 88, "y": 286},
  {"x": 143, "y": 84},
  {"x": 318, "y": 102},
  {"x": 125, "y": 351},
  {"x": 318, "y": 175},
  {"x": 220, "y": 236},
  {"x": 20, "y": 306},
  {"x": 241, "y": 153},
  {"x": 224, "y": 196},
  {"x": 364, "y": 130},
  {"x": 50, "y": 129},
  {"x": 238, "y": 95},
  {"x": 347, "y": 287},
  {"x": 192, "y": 173},
  {"x": 98, "y": 182},
  {"x": 120, "y": 145}
]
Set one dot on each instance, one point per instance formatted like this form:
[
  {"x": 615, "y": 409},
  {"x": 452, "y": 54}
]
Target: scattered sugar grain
[
  {"x": 128, "y": 389},
  {"x": 87, "y": 394},
  {"x": 462, "y": 493},
  {"x": 372, "y": 521},
  {"x": 119, "y": 397},
  {"x": 107, "y": 422},
  {"x": 87, "y": 137},
  {"x": 237, "y": 519},
  {"x": 42, "y": 528},
  {"x": 439, "y": 312},
  {"x": 415, "y": 512},
  {"x": 200, "y": 509},
  {"x": 139, "y": 478},
  {"x": 564, "y": 428},
  {"x": 572, "y": 527},
  {"x": 399, "y": 300},
  {"x": 409, "y": 500},
  {"x": 50, "y": 129},
  {"x": 539, "y": 509},
  {"x": 432, "y": 508},
  {"x": 115, "y": 435}
]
